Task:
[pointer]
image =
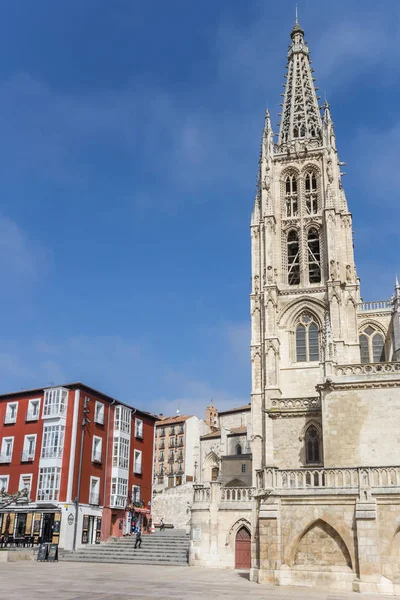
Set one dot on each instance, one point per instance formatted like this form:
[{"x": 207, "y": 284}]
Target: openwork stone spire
[{"x": 301, "y": 119}]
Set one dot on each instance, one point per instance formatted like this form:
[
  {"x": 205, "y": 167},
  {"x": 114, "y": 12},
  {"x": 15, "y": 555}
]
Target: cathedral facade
[{"x": 324, "y": 505}]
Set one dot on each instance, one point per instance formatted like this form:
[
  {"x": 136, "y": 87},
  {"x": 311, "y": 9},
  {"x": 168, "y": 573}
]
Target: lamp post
[{"x": 78, "y": 491}]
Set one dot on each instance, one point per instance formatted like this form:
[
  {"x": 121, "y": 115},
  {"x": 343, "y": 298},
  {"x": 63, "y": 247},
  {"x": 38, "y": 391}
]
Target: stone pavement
[{"x": 80, "y": 581}]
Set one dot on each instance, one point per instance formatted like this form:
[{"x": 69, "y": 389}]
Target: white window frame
[
  {"x": 139, "y": 428},
  {"x": 49, "y": 448},
  {"x": 21, "y": 485},
  {"x": 122, "y": 419},
  {"x": 4, "y": 441},
  {"x": 55, "y": 402},
  {"x": 121, "y": 447},
  {"x": 30, "y": 414},
  {"x": 26, "y": 456},
  {"x": 119, "y": 492},
  {"x": 7, "y": 482},
  {"x": 8, "y": 419},
  {"x": 93, "y": 500},
  {"x": 137, "y": 462},
  {"x": 97, "y": 449},
  {"x": 48, "y": 476},
  {"x": 99, "y": 413}
]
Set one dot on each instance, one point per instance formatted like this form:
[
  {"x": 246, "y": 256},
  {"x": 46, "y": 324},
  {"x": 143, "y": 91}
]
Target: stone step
[{"x": 124, "y": 560}]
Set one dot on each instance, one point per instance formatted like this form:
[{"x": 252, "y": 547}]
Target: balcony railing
[
  {"x": 9, "y": 419},
  {"x": 204, "y": 493},
  {"x": 52, "y": 452},
  {"x": 378, "y": 305},
  {"x": 349, "y": 480},
  {"x": 47, "y": 495},
  {"x": 97, "y": 457},
  {"x": 236, "y": 494},
  {"x": 384, "y": 368},
  {"x": 162, "y": 433},
  {"x": 137, "y": 468},
  {"x": 54, "y": 410},
  {"x": 32, "y": 415},
  {"x": 94, "y": 498},
  {"x": 5, "y": 458},
  {"x": 172, "y": 444},
  {"x": 160, "y": 478},
  {"x": 117, "y": 501},
  {"x": 27, "y": 456}
]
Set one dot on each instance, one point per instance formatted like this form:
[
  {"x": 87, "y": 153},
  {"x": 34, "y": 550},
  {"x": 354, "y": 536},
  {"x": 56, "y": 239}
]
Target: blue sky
[{"x": 129, "y": 139}]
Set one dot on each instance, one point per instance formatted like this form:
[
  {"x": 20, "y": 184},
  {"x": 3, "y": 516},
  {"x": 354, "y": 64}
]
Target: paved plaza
[{"x": 86, "y": 581}]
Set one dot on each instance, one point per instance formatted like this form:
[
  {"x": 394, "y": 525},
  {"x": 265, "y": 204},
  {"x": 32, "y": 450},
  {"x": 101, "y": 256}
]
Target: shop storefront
[{"x": 29, "y": 526}]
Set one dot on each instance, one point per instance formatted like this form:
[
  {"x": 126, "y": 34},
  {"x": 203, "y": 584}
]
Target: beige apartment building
[{"x": 177, "y": 450}]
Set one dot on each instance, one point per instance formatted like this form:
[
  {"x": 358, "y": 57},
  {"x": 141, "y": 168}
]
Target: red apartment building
[{"x": 85, "y": 458}]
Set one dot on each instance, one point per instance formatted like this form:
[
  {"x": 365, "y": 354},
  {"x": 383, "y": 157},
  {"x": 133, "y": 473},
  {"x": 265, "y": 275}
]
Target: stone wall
[
  {"x": 288, "y": 445},
  {"x": 173, "y": 505},
  {"x": 355, "y": 421}
]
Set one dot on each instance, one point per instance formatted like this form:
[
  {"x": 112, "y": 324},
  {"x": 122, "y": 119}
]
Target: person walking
[
  {"x": 138, "y": 541},
  {"x": 162, "y": 525}
]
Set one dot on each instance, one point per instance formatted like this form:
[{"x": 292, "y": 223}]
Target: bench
[{"x": 166, "y": 525}]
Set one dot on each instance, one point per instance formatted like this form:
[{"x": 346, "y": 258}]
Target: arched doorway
[{"x": 243, "y": 549}]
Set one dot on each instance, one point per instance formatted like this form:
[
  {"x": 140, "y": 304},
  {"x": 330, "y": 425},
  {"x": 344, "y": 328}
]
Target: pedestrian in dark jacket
[
  {"x": 162, "y": 525},
  {"x": 138, "y": 541}
]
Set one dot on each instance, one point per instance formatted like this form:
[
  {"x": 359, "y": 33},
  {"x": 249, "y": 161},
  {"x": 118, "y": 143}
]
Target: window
[
  {"x": 214, "y": 474},
  {"x": 119, "y": 492},
  {"x": 291, "y": 196},
  {"x": 314, "y": 257},
  {"x": 312, "y": 445},
  {"x": 55, "y": 402},
  {"x": 181, "y": 428},
  {"x": 180, "y": 442},
  {"x": 11, "y": 413},
  {"x": 311, "y": 194},
  {"x": 138, "y": 428},
  {"x": 53, "y": 441},
  {"x": 293, "y": 256},
  {"x": 121, "y": 453},
  {"x": 172, "y": 431},
  {"x": 243, "y": 468},
  {"x": 372, "y": 345},
  {"x": 122, "y": 419},
  {"x": 162, "y": 432},
  {"x": 171, "y": 469},
  {"x": 99, "y": 413},
  {"x": 4, "y": 479},
  {"x": 25, "y": 483},
  {"x": 33, "y": 411},
  {"x": 94, "y": 493},
  {"x": 171, "y": 455},
  {"x": 28, "y": 453},
  {"x": 7, "y": 450},
  {"x": 161, "y": 469},
  {"x": 307, "y": 343},
  {"x": 172, "y": 442},
  {"x": 161, "y": 457},
  {"x": 97, "y": 447},
  {"x": 137, "y": 462},
  {"x": 136, "y": 494},
  {"x": 49, "y": 483},
  {"x": 238, "y": 449}
]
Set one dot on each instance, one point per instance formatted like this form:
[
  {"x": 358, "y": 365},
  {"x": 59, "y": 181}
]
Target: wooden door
[{"x": 243, "y": 549}]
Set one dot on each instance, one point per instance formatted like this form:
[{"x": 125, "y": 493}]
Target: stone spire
[{"x": 300, "y": 117}]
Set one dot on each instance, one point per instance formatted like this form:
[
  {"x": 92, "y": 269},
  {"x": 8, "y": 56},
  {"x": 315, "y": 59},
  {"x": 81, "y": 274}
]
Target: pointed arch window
[
  {"x": 372, "y": 345},
  {"x": 291, "y": 196},
  {"x": 238, "y": 449},
  {"x": 314, "y": 256},
  {"x": 311, "y": 194},
  {"x": 293, "y": 254},
  {"x": 313, "y": 445},
  {"x": 307, "y": 339}
]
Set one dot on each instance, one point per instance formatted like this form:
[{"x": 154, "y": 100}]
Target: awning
[{"x": 142, "y": 511}]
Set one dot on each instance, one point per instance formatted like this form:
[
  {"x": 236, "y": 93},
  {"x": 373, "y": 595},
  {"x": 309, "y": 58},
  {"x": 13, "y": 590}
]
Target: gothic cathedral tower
[{"x": 305, "y": 290}]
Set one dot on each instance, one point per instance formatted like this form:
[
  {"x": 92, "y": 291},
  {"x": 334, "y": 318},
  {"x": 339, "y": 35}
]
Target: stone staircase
[{"x": 170, "y": 547}]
